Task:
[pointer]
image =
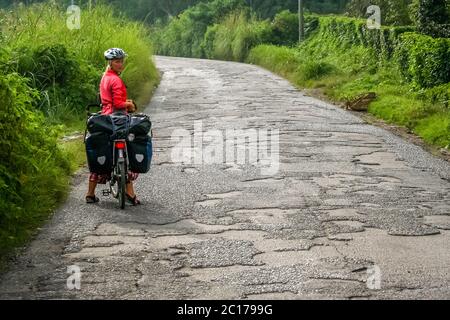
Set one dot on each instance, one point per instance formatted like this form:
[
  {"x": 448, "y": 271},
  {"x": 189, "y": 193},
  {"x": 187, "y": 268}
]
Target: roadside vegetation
[
  {"x": 48, "y": 75},
  {"x": 405, "y": 65}
]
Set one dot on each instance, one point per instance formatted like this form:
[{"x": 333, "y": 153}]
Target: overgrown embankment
[
  {"x": 341, "y": 57},
  {"x": 48, "y": 75},
  {"x": 409, "y": 72}
]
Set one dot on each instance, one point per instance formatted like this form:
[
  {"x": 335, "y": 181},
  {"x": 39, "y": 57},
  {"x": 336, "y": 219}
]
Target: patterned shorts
[{"x": 103, "y": 178}]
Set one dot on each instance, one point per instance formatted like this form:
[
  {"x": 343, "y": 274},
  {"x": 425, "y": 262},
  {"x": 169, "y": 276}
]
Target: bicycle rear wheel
[
  {"x": 118, "y": 184},
  {"x": 122, "y": 184}
]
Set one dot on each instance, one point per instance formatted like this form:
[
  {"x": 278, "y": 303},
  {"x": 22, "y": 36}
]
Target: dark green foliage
[
  {"x": 350, "y": 32},
  {"x": 31, "y": 163},
  {"x": 151, "y": 11},
  {"x": 433, "y": 18},
  {"x": 269, "y": 8},
  {"x": 48, "y": 65},
  {"x": 285, "y": 28},
  {"x": 423, "y": 60},
  {"x": 58, "y": 76}
]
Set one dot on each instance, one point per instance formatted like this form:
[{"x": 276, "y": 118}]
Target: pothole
[
  {"x": 229, "y": 194},
  {"x": 109, "y": 229},
  {"x": 262, "y": 216},
  {"x": 290, "y": 258},
  {"x": 190, "y": 170},
  {"x": 208, "y": 203},
  {"x": 221, "y": 252},
  {"x": 343, "y": 213},
  {"x": 440, "y": 222},
  {"x": 349, "y": 223},
  {"x": 383, "y": 160},
  {"x": 264, "y": 181}
]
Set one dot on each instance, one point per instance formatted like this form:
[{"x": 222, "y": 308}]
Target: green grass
[
  {"x": 435, "y": 129},
  {"x": 75, "y": 149},
  {"x": 233, "y": 38}
]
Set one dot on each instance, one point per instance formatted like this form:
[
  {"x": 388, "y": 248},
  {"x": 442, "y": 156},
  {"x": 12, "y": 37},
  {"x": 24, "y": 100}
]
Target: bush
[
  {"x": 64, "y": 83},
  {"x": 423, "y": 60},
  {"x": 349, "y": 32},
  {"x": 433, "y": 17},
  {"x": 31, "y": 164},
  {"x": 285, "y": 28},
  {"x": 314, "y": 70}
]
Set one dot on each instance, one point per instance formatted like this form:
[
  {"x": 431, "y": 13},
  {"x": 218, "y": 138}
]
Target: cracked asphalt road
[{"x": 350, "y": 204}]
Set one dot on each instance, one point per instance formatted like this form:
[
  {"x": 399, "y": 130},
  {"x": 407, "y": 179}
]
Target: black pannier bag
[
  {"x": 140, "y": 153},
  {"x": 100, "y": 123},
  {"x": 140, "y": 124},
  {"x": 139, "y": 143},
  {"x": 99, "y": 151}
]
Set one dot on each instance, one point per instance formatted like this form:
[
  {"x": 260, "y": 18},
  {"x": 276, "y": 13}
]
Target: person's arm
[{"x": 118, "y": 95}]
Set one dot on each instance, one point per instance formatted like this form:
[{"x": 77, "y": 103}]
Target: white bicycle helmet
[{"x": 115, "y": 53}]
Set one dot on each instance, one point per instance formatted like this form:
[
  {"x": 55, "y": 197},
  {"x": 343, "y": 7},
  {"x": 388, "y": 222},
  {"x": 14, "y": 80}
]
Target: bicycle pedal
[{"x": 106, "y": 192}]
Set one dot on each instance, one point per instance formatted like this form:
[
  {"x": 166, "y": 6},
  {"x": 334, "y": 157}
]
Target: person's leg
[
  {"x": 131, "y": 195},
  {"x": 91, "y": 190},
  {"x": 90, "y": 196},
  {"x": 130, "y": 190}
]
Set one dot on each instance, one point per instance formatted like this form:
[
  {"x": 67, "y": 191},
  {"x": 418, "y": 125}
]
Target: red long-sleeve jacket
[{"x": 113, "y": 93}]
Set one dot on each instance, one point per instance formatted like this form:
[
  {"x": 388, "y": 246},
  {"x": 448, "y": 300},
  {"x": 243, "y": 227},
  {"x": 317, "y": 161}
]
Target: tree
[
  {"x": 269, "y": 8},
  {"x": 433, "y": 18}
]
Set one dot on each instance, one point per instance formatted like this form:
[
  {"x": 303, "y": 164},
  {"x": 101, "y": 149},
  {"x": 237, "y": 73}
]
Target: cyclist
[{"x": 113, "y": 95}]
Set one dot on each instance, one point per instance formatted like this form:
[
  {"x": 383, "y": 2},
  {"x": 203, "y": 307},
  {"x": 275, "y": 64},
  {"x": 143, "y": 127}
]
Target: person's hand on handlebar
[{"x": 131, "y": 106}]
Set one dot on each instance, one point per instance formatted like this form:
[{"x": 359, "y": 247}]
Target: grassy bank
[
  {"x": 396, "y": 102},
  {"x": 48, "y": 75},
  {"x": 407, "y": 93}
]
